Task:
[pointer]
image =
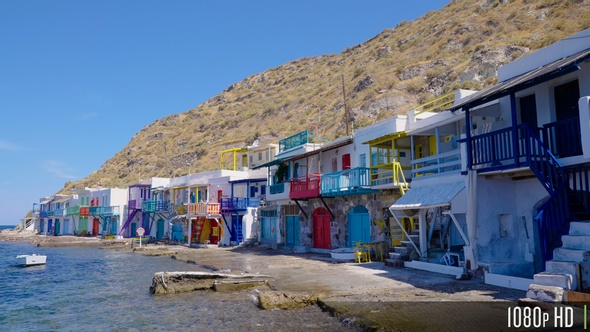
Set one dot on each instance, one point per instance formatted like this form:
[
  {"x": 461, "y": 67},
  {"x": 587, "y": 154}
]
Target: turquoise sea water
[{"x": 92, "y": 289}]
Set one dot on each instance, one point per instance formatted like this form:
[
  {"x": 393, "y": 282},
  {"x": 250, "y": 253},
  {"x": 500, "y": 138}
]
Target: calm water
[{"x": 106, "y": 290}]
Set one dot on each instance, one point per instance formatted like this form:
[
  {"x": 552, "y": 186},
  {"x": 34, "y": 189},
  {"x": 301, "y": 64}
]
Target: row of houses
[{"x": 495, "y": 180}]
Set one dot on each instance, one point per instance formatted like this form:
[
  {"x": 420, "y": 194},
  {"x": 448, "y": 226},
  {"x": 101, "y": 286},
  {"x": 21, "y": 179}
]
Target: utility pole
[{"x": 345, "y": 108}]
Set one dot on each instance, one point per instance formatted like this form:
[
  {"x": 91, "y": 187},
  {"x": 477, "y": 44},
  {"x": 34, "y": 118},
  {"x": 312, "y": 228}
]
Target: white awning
[{"x": 429, "y": 196}]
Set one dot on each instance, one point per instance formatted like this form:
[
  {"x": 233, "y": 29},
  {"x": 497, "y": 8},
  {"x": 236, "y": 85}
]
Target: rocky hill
[{"x": 459, "y": 46}]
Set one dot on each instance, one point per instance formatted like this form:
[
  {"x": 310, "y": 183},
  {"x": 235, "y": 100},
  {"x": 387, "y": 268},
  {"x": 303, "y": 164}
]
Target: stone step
[
  {"x": 397, "y": 256},
  {"x": 563, "y": 267},
  {"x": 409, "y": 244},
  {"x": 403, "y": 250},
  {"x": 562, "y": 280},
  {"x": 576, "y": 241},
  {"x": 394, "y": 263},
  {"x": 569, "y": 254},
  {"x": 545, "y": 293},
  {"x": 579, "y": 228}
]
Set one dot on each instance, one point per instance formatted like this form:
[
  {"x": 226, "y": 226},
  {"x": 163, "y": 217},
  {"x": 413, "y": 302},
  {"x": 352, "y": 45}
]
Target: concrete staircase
[
  {"x": 405, "y": 251},
  {"x": 568, "y": 270}
]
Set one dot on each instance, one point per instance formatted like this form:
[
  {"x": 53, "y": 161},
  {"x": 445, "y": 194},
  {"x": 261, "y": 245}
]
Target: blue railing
[
  {"x": 498, "y": 150},
  {"x": 239, "y": 203},
  {"x": 441, "y": 163},
  {"x": 346, "y": 181},
  {"x": 278, "y": 188},
  {"x": 293, "y": 141},
  {"x": 491, "y": 149},
  {"x": 553, "y": 217},
  {"x": 562, "y": 138},
  {"x": 153, "y": 206}
]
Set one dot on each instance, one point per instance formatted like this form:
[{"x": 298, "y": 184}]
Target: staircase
[
  {"x": 198, "y": 227},
  {"x": 128, "y": 221},
  {"x": 569, "y": 268},
  {"x": 405, "y": 251}
]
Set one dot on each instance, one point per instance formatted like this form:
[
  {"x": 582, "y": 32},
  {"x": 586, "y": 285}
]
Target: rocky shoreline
[{"x": 370, "y": 296}]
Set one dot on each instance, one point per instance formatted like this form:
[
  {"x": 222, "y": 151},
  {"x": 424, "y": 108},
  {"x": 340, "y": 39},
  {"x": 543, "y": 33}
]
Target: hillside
[{"x": 459, "y": 46}]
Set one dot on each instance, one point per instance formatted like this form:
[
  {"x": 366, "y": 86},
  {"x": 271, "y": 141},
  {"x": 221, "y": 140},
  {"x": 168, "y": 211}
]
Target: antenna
[{"x": 345, "y": 108}]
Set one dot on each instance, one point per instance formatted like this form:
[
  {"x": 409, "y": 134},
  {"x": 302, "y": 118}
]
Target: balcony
[
  {"x": 278, "y": 191},
  {"x": 154, "y": 206},
  {"x": 104, "y": 211},
  {"x": 204, "y": 209},
  {"x": 134, "y": 204},
  {"x": 57, "y": 213},
  {"x": 563, "y": 138},
  {"x": 305, "y": 187},
  {"x": 238, "y": 204},
  {"x": 43, "y": 214},
  {"x": 73, "y": 210},
  {"x": 84, "y": 211},
  {"x": 293, "y": 141},
  {"x": 178, "y": 208},
  {"x": 447, "y": 163},
  {"x": 354, "y": 181}
]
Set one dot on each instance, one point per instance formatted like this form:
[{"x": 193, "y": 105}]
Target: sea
[{"x": 93, "y": 289}]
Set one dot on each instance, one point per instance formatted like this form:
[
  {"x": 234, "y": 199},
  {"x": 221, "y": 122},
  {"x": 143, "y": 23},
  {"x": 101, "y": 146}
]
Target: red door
[
  {"x": 219, "y": 194},
  {"x": 346, "y": 161},
  {"x": 95, "y": 226},
  {"x": 321, "y": 228}
]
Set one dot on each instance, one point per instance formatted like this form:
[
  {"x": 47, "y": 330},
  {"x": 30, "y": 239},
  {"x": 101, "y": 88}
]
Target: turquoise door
[
  {"x": 57, "y": 229},
  {"x": 160, "y": 226},
  {"x": 114, "y": 224},
  {"x": 292, "y": 231},
  {"x": 133, "y": 230},
  {"x": 359, "y": 225},
  {"x": 266, "y": 227}
]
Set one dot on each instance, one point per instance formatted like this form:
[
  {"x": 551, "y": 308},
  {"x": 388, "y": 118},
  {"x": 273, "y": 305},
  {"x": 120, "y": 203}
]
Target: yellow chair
[{"x": 361, "y": 253}]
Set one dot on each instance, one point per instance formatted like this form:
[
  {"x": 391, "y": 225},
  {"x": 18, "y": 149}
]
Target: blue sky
[{"x": 79, "y": 78}]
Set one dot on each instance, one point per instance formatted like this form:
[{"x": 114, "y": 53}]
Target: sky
[{"x": 78, "y": 79}]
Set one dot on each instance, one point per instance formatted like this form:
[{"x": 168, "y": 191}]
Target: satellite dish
[{"x": 256, "y": 143}]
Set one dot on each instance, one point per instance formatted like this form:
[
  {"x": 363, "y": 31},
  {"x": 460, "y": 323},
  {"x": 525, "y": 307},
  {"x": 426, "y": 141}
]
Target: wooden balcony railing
[
  {"x": 238, "y": 203},
  {"x": 73, "y": 210},
  {"x": 349, "y": 181},
  {"x": 277, "y": 188},
  {"x": 437, "y": 164},
  {"x": 154, "y": 206},
  {"x": 563, "y": 138},
  {"x": 305, "y": 187},
  {"x": 204, "y": 209},
  {"x": 84, "y": 211}
]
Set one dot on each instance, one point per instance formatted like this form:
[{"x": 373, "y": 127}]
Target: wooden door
[
  {"x": 359, "y": 226},
  {"x": 321, "y": 228},
  {"x": 292, "y": 231},
  {"x": 345, "y": 161}
]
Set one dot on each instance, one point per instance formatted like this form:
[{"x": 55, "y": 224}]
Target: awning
[
  {"x": 429, "y": 196},
  {"x": 268, "y": 164}
]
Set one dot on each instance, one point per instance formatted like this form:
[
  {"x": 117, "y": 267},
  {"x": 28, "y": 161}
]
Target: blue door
[
  {"x": 359, "y": 225},
  {"x": 50, "y": 226},
  {"x": 160, "y": 229},
  {"x": 292, "y": 231},
  {"x": 133, "y": 230}
]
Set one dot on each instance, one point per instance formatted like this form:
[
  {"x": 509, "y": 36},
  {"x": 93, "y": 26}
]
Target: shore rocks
[
  {"x": 285, "y": 300},
  {"x": 179, "y": 282}
]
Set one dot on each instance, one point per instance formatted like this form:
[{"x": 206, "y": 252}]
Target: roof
[
  {"x": 542, "y": 74},
  {"x": 429, "y": 196}
]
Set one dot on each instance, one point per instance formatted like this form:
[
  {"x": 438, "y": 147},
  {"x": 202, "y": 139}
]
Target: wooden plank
[{"x": 573, "y": 297}]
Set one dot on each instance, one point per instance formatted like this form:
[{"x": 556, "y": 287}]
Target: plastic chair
[{"x": 361, "y": 253}]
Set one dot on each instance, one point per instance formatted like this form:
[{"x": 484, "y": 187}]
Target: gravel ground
[{"x": 370, "y": 296}]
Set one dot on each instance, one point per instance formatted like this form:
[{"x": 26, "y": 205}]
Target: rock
[
  {"x": 180, "y": 282},
  {"x": 285, "y": 300}
]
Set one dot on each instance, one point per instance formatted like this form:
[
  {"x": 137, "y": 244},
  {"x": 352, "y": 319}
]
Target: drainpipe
[{"x": 514, "y": 129}]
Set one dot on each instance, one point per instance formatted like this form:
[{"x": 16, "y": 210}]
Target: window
[
  {"x": 334, "y": 164},
  {"x": 259, "y": 156},
  {"x": 363, "y": 160}
]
